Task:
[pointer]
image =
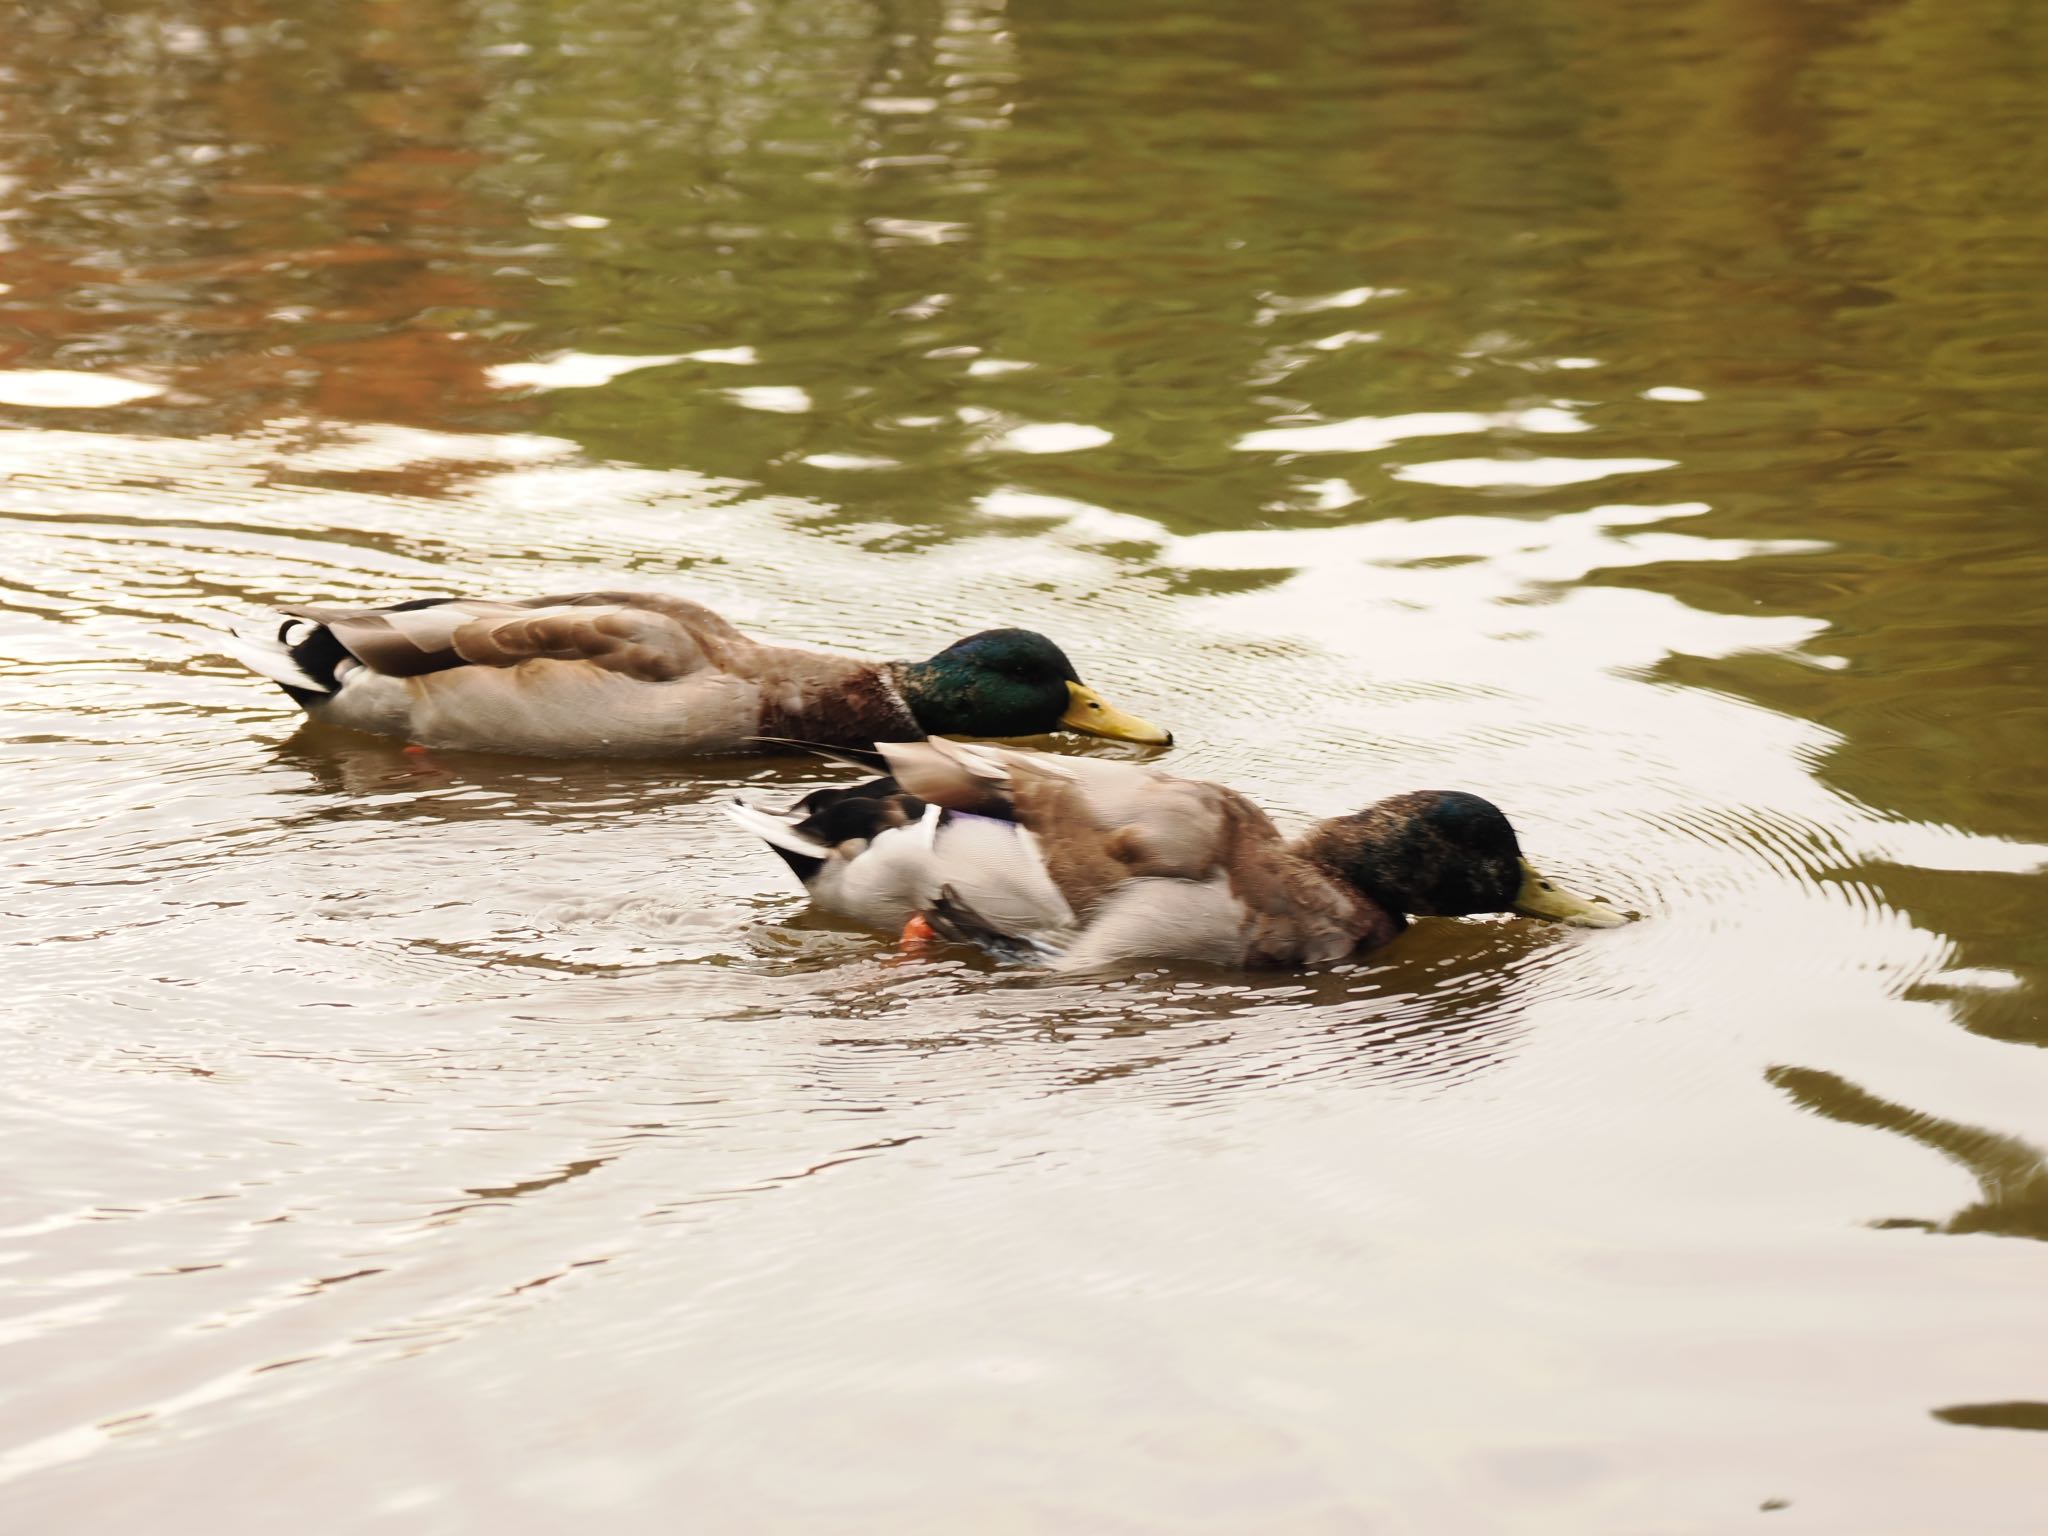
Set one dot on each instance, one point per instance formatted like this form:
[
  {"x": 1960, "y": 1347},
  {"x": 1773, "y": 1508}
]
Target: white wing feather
[
  {"x": 774, "y": 827},
  {"x": 994, "y": 866}
]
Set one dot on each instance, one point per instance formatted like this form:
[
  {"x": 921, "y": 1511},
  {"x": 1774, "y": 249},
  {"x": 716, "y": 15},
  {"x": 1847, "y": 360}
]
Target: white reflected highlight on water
[
  {"x": 1049, "y": 437},
  {"x": 899, "y": 106},
  {"x": 782, "y": 399},
  {"x": 917, "y": 231},
  {"x": 1081, "y": 520},
  {"x": 848, "y": 461},
  {"x": 1337, "y": 341},
  {"x": 1479, "y": 574},
  {"x": 573, "y": 370},
  {"x": 1368, "y": 434},
  {"x": 1532, "y": 473},
  {"x": 1329, "y": 495},
  {"x": 735, "y": 355},
  {"x": 1277, "y": 306},
  {"x": 66, "y": 390}
]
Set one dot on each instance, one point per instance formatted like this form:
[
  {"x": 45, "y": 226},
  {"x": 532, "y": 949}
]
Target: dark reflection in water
[
  {"x": 1441, "y": 1006},
  {"x": 1996, "y": 1415},
  {"x": 351, "y": 775},
  {"x": 575, "y": 1170},
  {"x": 2013, "y": 1174}
]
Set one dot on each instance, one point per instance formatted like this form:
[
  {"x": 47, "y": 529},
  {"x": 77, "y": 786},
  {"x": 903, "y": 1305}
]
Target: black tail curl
[
  {"x": 317, "y": 654},
  {"x": 864, "y": 811}
]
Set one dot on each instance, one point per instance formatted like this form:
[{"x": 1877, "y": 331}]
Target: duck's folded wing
[
  {"x": 615, "y": 636},
  {"x": 960, "y": 776},
  {"x": 1096, "y": 823},
  {"x": 999, "y": 870},
  {"x": 974, "y": 776}
]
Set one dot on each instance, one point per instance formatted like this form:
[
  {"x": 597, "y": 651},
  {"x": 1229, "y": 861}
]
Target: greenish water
[{"x": 1632, "y": 412}]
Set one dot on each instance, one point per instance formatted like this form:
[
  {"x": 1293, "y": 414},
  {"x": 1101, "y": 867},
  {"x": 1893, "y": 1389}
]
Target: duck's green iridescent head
[
  {"x": 1444, "y": 853},
  {"x": 1012, "y": 682}
]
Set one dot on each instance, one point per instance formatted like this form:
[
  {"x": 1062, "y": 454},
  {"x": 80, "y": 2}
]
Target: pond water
[{"x": 1631, "y": 411}]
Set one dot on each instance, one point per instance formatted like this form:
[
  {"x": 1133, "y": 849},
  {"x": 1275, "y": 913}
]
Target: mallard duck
[
  {"x": 639, "y": 674},
  {"x": 1087, "y": 863}
]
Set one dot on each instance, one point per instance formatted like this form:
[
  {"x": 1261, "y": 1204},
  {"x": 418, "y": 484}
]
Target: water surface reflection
[{"x": 1628, "y": 412}]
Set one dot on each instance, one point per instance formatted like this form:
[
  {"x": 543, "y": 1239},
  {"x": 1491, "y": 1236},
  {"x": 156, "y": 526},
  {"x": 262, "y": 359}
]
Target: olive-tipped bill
[
  {"x": 1088, "y": 714},
  {"x": 1540, "y": 896}
]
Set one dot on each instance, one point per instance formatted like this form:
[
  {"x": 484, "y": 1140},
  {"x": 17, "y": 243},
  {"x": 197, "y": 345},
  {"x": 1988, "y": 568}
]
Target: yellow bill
[
  {"x": 1088, "y": 714},
  {"x": 1543, "y": 897}
]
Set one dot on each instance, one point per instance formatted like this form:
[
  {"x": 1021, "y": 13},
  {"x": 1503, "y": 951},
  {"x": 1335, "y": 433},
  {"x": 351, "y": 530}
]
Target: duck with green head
[
  {"x": 1011, "y": 682},
  {"x": 638, "y": 674},
  {"x": 1087, "y": 863}
]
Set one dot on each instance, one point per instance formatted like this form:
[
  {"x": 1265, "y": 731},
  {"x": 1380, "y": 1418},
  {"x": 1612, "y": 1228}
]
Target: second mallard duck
[
  {"x": 640, "y": 674},
  {"x": 1089, "y": 863}
]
